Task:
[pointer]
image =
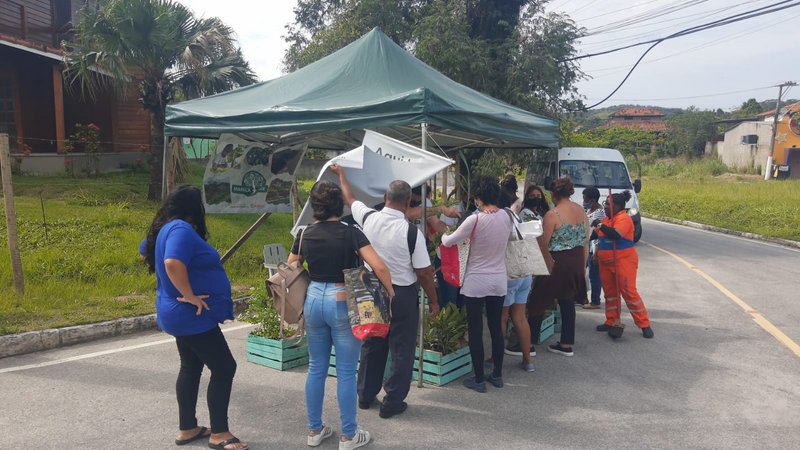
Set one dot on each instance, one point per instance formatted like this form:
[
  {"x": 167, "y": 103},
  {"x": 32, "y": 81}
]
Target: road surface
[{"x": 717, "y": 375}]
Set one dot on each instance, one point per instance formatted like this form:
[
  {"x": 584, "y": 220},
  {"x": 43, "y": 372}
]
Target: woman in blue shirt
[{"x": 193, "y": 296}]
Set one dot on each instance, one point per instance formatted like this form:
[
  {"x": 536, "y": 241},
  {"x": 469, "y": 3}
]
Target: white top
[
  {"x": 486, "y": 266},
  {"x": 387, "y": 231}
]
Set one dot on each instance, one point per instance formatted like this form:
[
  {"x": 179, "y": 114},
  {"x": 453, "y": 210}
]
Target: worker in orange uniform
[{"x": 619, "y": 262}]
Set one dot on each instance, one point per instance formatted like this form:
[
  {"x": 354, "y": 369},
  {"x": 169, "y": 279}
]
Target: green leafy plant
[
  {"x": 261, "y": 311},
  {"x": 85, "y": 139},
  {"x": 444, "y": 332}
]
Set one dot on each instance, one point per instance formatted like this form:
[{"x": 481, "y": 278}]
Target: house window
[{"x": 7, "y": 119}]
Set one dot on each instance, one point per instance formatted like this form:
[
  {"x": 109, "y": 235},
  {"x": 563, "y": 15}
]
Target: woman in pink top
[{"x": 485, "y": 278}]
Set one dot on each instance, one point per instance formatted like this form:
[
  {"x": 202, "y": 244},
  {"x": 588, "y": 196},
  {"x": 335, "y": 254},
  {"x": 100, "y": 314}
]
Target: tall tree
[
  {"x": 509, "y": 49},
  {"x": 749, "y": 108},
  {"x": 689, "y": 131},
  {"x": 162, "y": 45}
]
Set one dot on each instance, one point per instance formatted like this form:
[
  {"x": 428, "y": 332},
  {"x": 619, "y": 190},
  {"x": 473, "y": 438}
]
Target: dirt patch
[
  {"x": 131, "y": 298},
  {"x": 240, "y": 289},
  {"x": 740, "y": 177}
]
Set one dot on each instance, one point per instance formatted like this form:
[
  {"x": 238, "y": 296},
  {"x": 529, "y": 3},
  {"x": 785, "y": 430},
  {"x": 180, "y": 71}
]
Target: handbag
[
  {"x": 454, "y": 259},
  {"x": 288, "y": 287},
  {"x": 368, "y": 303},
  {"x": 524, "y": 256}
]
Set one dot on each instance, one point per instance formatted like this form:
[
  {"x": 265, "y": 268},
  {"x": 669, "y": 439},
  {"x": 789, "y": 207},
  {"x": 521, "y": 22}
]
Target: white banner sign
[
  {"x": 376, "y": 163},
  {"x": 250, "y": 177}
]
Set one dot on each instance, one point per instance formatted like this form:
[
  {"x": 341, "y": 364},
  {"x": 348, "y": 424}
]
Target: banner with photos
[{"x": 250, "y": 177}]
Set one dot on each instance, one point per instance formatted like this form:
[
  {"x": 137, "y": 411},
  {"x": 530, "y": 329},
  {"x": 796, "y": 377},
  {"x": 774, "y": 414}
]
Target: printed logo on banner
[{"x": 252, "y": 183}]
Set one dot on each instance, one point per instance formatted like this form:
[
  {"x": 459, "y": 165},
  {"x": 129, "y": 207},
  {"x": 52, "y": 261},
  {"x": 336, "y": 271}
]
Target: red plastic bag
[
  {"x": 451, "y": 269},
  {"x": 454, "y": 260}
]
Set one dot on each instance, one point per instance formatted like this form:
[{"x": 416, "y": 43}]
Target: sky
[{"x": 718, "y": 68}]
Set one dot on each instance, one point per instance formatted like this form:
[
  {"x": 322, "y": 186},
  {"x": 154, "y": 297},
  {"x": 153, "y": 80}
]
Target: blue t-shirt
[{"x": 178, "y": 240}]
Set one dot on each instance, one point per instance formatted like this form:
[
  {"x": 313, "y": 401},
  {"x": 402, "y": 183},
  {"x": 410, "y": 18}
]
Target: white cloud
[
  {"x": 763, "y": 54},
  {"x": 259, "y": 26}
]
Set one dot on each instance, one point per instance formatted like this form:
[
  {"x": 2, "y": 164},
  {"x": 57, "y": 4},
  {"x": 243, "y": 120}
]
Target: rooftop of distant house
[
  {"x": 638, "y": 112},
  {"x": 785, "y": 109}
]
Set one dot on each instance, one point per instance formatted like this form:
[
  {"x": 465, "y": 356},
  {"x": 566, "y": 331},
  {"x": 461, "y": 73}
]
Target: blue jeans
[
  {"x": 594, "y": 281},
  {"x": 327, "y": 323}
]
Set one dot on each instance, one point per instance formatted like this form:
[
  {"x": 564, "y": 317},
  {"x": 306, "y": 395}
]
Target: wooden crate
[
  {"x": 548, "y": 328},
  {"x": 281, "y": 355},
  {"x": 441, "y": 369}
]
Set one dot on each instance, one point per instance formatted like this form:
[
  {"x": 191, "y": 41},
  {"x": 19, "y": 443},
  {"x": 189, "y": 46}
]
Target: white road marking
[{"x": 105, "y": 352}]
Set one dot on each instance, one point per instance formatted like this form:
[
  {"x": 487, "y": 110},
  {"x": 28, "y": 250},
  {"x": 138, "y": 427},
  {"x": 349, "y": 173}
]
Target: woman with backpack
[{"x": 329, "y": 246}]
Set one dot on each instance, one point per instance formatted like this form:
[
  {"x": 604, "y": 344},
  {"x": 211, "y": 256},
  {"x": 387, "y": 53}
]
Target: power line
[
  {"x": 646, "y": 16},
  {"x": 592, "y": 2},
  {"x": 731, "y": 19},
  {"x": 718, "y": 94},
  {"x": 700, "y": 15},
  {"x": 733, "y": 37},
  {"x": 775, "y": 7}
]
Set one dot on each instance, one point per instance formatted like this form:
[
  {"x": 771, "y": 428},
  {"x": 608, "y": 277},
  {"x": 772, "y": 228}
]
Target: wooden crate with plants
[
  {"x": 265, "y": 345},
  {"x": 446, "y": 354}
]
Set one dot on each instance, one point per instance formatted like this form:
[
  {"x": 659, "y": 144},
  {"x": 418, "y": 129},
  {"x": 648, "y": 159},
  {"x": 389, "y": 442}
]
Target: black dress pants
[
  {"x": 401, "y": 342},
  {"x": 494, "y": 309},
  {"x": 198, "y": 350}
]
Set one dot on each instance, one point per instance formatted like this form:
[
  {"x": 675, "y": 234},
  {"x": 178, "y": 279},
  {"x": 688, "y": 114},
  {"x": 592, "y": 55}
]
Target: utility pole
[
  {"x": 11, "y": 216},
  {"x": 768, "y": 170}
]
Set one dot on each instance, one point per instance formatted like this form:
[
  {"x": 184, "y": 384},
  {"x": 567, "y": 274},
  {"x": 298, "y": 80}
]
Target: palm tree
[{"x": 161, "y": 44}]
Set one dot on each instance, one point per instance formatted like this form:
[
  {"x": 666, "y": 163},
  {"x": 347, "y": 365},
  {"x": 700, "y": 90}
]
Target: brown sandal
[
  {"x": 227, "y": 442},
  {"x": 203, "y": 433}
]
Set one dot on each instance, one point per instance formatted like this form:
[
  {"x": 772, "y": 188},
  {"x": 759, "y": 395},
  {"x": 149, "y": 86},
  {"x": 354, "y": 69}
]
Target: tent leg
[
  {"x": 244, "y": 237},
  {"x": 164, "y": 155},
  {"x": 424, "y": 129}
]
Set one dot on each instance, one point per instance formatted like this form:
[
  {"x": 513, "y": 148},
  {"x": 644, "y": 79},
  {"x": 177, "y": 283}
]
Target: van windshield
[{"x": 600, "y": 174}]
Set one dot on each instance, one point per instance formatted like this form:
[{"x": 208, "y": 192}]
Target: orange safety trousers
[{"x": 620, "y": 280}]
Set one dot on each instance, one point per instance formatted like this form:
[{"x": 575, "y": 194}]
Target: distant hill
[{"x": 769, "y": 105}]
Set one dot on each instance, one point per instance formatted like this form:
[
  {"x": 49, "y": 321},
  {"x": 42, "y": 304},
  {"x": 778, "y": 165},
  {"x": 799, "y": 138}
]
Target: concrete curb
[
  {"x": 36, "y": 341},
  {"x": 701, "y": 226}
]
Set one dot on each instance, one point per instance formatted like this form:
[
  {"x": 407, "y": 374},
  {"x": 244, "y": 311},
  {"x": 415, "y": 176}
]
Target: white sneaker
[
  {"x": 316, "y": 439},
  {"x": 360, "y": 439}
]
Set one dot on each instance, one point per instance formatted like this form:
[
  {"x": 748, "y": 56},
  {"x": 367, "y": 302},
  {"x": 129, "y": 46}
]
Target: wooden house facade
[{"x": 37, "y": 109}]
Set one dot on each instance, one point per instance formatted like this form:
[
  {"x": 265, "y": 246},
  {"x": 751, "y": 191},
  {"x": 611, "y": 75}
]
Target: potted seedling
[
  {"x": 446, "y": 354},
  {"x": 265, "y": 345}
]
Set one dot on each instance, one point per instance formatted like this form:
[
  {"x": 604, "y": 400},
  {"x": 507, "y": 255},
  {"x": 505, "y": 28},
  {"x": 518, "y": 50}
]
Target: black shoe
[
  {"x": 365, "y": 405},
  {"x": 387, "y": 412},
  {"x": 494, "y": 381},
  {"x": 616, "y": 331},
  {"x": 558, "y": 349},
  {"x": 470, "y": 383},
  {"x": 647, "y": 333},
  {"x": 514, "y": 350},
  {"x": 603, "y": 328}
]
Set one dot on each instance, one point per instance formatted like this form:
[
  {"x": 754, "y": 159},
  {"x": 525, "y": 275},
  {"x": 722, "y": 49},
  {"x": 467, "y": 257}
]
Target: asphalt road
[{"x": 711, "y": 378}]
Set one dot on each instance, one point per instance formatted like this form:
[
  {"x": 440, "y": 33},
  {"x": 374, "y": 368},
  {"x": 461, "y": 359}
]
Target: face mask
[
  {"x": 533, "y": 203},
  {"x": 587, "y": 205},
  {"x": 415, "y": 203}
]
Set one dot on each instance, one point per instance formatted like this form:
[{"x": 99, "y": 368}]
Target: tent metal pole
[
  {"x": 424, "y": 130},
  {"x": 164, "y": 168}
]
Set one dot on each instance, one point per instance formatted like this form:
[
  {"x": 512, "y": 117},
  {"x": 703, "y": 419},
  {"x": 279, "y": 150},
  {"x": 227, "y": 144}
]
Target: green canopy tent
[{"x": 372, "y": 83}]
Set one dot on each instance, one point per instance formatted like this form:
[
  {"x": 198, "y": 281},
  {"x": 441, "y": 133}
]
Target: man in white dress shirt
[{"x": 402, "y": 248}]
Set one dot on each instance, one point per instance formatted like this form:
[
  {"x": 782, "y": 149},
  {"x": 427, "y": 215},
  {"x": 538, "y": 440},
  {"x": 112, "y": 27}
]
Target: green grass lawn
[
  {"x": 86, "y": 267},
  {"x": 698, "y": 193}
]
